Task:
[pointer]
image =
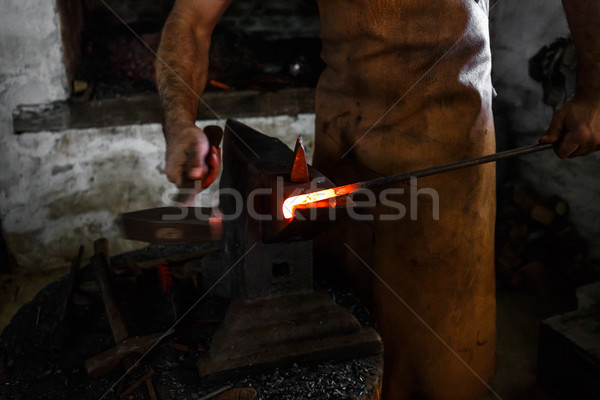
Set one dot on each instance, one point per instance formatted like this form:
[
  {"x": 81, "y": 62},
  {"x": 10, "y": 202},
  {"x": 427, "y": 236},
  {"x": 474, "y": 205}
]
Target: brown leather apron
[{"x": 407, "y": 86}]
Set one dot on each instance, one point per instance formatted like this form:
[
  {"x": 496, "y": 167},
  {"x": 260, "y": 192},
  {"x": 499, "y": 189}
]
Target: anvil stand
[{"x": 275, "y": 316}]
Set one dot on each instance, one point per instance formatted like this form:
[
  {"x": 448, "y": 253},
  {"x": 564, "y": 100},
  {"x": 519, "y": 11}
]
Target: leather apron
[{"x": 407, "y": 86}]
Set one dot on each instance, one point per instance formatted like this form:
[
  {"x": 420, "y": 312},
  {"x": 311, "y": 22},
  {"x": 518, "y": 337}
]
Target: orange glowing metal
[{"x": 308, "y": 199}]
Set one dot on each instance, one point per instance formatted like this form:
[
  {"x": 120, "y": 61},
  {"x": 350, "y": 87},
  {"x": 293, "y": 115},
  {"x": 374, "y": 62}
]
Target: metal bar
[
  {"x": 306, "y": 200},
  {"x": 389, "y": 180}
]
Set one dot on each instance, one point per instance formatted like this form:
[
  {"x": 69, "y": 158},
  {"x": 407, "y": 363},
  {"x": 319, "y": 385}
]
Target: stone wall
[{"x": 62, "y": 189}]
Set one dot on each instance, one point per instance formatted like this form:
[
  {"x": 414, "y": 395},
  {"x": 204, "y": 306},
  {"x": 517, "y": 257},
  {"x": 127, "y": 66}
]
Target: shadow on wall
[{"x": 518, "y": 32}]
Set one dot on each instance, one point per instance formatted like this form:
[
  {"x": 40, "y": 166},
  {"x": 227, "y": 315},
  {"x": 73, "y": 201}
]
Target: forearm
[
  {"x": 584, "y": 22},
  {"x": 181, "y": 72},
  {"x": 182, "y": 65}
]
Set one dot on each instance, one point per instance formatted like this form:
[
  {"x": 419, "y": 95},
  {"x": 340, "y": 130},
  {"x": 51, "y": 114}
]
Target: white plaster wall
[
  {"x": 518, "y": 30},
  {"x": 60, "y": 190},
  {"x": 72, "y": 186},
  {"x": 31, "y": 71},
  {"x": 31, "y": 65}
]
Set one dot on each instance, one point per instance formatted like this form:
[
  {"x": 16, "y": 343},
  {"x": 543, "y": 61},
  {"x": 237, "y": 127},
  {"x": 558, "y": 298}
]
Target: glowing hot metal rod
[{"x": 308, "y": 200}]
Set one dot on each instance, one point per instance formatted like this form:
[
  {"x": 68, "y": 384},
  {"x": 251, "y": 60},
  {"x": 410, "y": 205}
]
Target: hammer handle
[
  {"x": 108, "y": 360},
  {"x": 214, "y": 135},
  {"x": 99, "y": 262}
]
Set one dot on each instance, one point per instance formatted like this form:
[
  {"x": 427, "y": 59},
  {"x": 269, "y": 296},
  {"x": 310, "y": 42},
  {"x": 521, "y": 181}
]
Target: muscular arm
[
  {"x": 182, "y": 69},
  {"x": 575, "y": 127}
]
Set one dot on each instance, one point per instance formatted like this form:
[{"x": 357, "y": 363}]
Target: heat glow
[{"x": 305, "y": 200}]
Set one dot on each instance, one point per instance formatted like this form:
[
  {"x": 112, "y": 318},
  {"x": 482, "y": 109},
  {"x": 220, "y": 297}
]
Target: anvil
[{"x": 266, "y": 264}]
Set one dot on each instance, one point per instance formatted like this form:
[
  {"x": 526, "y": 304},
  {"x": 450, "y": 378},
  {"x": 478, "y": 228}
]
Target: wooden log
[
  {"x": 524, "y": 198},
  {"x": 215, "y": 393},
  {"x": 138, "y": 383},
  {"x": 130, "y": 348},
  {"x": 518, "y": 231},
  {"x": 512, "y": 249},
  {"x": 506, "y": 274},
  {"x": 179, "y": 347},
  {"x": 561, "y": 227},
  {"x": 239, "y": 394},
  {"x": 558, "y": 205},
  {"x": 543, "y": 215}
]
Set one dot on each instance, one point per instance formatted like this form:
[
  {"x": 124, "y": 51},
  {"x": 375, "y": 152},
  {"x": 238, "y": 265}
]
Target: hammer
[
  {"x": 187, "y": 191},
  {"x": 108, "y": 360}
]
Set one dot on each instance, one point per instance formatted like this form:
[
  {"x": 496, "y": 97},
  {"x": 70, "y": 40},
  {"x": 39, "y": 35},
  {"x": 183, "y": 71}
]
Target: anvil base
[{"x": 265, "y": 333}]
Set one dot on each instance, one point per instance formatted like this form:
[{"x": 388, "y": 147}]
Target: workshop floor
[
  {"x": 18, "y": 289},
  {"x": 519, "y": 315}
]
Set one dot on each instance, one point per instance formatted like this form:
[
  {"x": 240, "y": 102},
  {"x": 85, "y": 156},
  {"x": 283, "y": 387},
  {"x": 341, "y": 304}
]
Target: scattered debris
[
  {"x": 28, "y": 369},
  {"x": 216, "y": 392},
  {"x": 137, "y": 383}
]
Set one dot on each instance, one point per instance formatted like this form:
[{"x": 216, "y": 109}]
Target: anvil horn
[{"x": 299, "y": 169}]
